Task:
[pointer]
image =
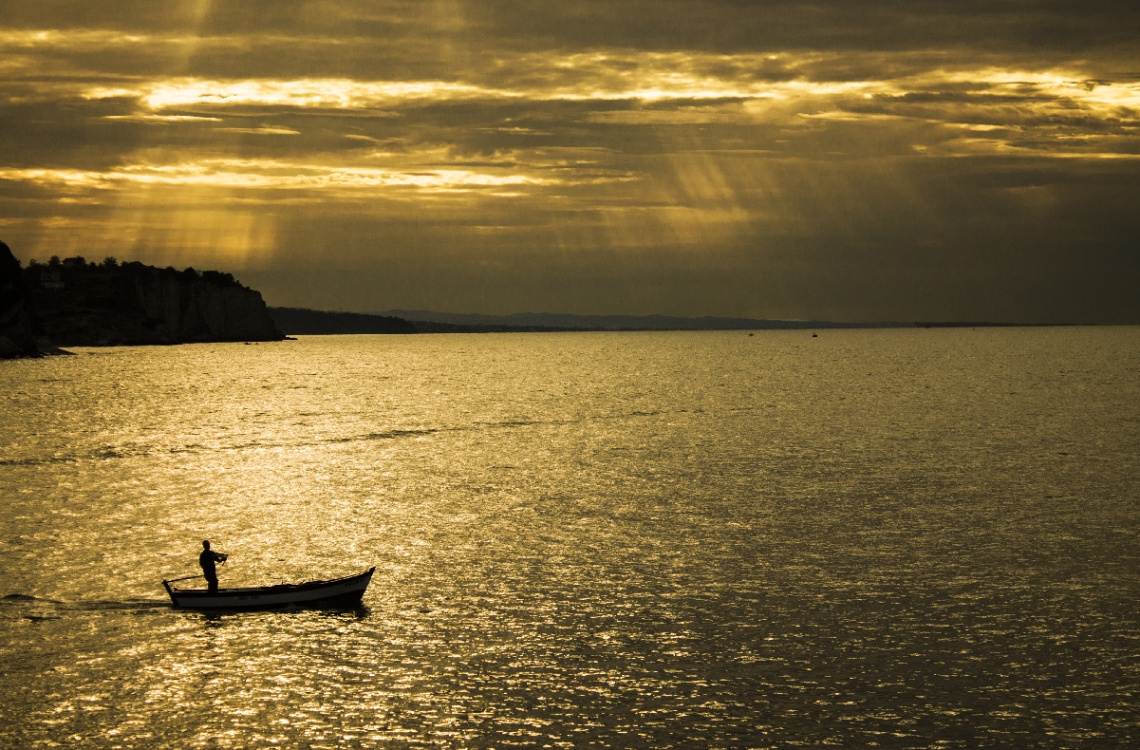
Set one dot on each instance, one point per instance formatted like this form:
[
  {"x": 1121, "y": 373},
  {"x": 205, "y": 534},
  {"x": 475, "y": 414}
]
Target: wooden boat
[{"x": 335, "y": 592}]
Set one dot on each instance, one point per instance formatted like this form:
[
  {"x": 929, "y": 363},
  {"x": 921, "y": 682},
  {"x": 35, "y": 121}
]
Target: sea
[{"x": 893, "y": 538}]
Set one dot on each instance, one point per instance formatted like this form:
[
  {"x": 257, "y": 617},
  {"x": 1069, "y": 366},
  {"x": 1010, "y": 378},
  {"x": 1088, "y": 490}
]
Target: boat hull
[{"x": 338, "y": 592}]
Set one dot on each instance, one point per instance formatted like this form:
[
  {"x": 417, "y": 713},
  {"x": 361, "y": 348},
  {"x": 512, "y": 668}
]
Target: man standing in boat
[{"x": 207, "y": 560}]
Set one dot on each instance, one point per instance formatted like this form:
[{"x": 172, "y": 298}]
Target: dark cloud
[{"x": 851, "y": 160}]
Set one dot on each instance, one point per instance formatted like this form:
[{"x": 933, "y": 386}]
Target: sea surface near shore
[{"x": 893, "y": 538}]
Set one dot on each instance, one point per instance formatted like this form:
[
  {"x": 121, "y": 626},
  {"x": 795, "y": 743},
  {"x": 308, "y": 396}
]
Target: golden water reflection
[{"x": 685, "y": 540}]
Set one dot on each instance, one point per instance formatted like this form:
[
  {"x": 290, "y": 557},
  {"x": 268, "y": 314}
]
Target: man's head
[{"x": 205, "y": 544}]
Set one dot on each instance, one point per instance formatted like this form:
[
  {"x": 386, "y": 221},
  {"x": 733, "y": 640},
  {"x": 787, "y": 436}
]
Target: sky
[{"x": 847, "y": 160}]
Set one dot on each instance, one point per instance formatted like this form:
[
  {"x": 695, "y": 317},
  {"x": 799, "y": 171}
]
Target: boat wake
[
  {"x": 38, "y": 609},
  {"x": 128, "y": 604}
]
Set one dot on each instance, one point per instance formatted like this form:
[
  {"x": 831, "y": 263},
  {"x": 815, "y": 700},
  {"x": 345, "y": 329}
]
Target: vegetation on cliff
[{"x": 302, "y": 321}]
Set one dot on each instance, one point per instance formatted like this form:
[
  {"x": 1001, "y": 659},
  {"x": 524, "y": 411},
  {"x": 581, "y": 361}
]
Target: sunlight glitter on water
[{"x": 910, "y": 538}]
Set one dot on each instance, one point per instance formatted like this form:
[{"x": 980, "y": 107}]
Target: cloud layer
[{"x": 855, "y": 161}]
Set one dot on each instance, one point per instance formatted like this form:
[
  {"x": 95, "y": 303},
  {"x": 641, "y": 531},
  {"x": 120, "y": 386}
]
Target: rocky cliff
[
  {"x": 181, "y": 308},
  {"x": 75, "y": 303}
]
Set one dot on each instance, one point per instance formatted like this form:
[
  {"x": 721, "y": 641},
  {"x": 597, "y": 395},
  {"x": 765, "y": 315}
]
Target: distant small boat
[{"x": 335, "y": 592}]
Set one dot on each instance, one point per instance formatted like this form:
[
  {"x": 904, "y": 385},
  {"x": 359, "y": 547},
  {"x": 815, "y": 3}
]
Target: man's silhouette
[{"x": 207, "y": 560}]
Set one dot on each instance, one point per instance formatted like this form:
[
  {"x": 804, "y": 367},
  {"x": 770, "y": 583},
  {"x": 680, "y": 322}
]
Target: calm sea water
[{"x": 902, "y": 538}]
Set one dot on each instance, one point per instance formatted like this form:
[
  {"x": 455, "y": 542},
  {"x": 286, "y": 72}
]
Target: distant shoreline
[{"x": 308, "y": 322}]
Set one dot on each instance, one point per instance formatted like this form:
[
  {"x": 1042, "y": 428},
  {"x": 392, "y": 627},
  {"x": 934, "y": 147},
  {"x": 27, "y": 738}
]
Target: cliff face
[
  {"x": 185, "y": 310},
  {"x": 79, "y": 304},
  {"x": 16, "y": 336}
]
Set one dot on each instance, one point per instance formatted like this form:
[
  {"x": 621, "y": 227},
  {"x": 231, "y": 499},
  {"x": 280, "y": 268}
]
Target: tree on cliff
[
  {"x": 16, "y": 338},
  {"x": 9, "y": 264}
]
